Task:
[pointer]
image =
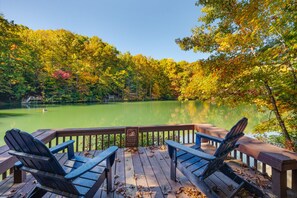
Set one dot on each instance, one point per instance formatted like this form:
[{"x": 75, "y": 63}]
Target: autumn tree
[{"x": 253, "y": 54}]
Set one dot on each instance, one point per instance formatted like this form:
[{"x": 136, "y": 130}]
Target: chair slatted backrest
[
  {"x": 38, "y": 160},
  {"x": 226, "y": 146}
]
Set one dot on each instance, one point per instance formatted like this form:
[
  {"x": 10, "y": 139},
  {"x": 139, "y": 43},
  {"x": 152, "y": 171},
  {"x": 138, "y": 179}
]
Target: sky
[{"x": 147, "y": 27}]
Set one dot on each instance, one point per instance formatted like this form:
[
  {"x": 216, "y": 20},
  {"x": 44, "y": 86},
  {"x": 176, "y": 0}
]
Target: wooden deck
[{"x": 140, "y": 173}]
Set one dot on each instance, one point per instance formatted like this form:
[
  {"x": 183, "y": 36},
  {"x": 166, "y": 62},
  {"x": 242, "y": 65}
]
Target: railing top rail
[
  {"x": 166, "y": 127},
  {"x": 108, "y": 130},
  {"x": 274, "y": 156},
  {"x": 89, "y": 131}
]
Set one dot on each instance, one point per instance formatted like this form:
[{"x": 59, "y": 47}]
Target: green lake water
[{"x": 31, "y": 118}]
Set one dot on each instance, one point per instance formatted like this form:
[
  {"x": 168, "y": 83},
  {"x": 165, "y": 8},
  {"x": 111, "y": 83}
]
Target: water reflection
[{"x": 221, "y": 116}]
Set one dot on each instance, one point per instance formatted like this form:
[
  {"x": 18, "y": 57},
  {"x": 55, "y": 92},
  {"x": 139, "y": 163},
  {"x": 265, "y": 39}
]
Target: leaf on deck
[{"x": 163, "y": 147}]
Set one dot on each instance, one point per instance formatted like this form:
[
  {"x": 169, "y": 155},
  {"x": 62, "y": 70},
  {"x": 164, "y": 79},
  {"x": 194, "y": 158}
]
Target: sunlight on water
[{"x": 125, "y": 114}]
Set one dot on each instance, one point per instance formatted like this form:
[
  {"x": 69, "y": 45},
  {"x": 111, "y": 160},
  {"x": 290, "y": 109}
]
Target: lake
[{"x": 31, "y": 118}]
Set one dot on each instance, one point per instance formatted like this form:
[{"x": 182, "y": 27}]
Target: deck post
[
  {"x": 279, "y": 182},
  {"x": 294, "y": 180},
  {"x": 19, "y": 176}
]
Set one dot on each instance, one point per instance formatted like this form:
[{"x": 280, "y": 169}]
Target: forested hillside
[{"x": 61, "y": 66}]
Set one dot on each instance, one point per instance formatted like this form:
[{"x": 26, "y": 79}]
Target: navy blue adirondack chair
[
  {"x": 198, "y": 165},
  {"x": 78, "y": 177}
]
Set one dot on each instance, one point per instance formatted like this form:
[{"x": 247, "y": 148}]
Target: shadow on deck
[{"x": 145, "y": 173}]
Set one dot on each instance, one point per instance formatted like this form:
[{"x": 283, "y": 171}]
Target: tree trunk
[
  {"x": 293, "y": 74},
  {"x": 288, "y": 144}
]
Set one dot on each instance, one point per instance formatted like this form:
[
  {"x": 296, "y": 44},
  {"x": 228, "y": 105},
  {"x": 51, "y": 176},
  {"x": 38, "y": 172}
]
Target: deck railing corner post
[{"x": 279, "y": 182}]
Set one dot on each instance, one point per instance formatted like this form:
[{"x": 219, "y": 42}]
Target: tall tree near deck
[{"x": 253, "y": 46}]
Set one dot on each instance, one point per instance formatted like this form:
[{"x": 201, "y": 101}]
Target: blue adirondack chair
[
  {"x": 198, "y": 165},
  {"x": 78, "y": 177}
]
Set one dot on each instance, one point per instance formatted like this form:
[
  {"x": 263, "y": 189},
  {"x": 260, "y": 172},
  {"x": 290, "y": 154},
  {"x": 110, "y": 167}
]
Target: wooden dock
[{"x": 144, "y": 172}]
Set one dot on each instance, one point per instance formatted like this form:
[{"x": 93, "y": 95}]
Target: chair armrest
[
  {"x": 197, "y": 153},
  {"x": 61, "y": 146},
  {"x": 92, "y": 163},
  {"x": 212, "y": 138}
]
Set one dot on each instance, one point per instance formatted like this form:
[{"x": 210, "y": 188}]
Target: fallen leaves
[
  {"x": 88, "y": 154},
  {"x": 163, "y": 147},
  {"x": 191, "y": 192},
  {"x": 132, "y": 149},
  {"x": 125, "y": 190}
]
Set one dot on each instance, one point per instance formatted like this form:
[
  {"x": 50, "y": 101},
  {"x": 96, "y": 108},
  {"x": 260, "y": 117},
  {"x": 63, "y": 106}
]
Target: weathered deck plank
[
  {"x": 162, "y": 181},
  {"x": 150, "y": 175},
  {"x": 141, "y": 181},
  {"x": 119, "y": 174}
]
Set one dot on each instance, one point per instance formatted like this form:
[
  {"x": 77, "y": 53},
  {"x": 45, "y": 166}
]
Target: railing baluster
[
  {"x": 84, "y": 143},
  {"x": 11, "y": 171},
  {"x": 114, "y": 139},
  {"x": 147, "y": 138},
  {"x": 77, "y": 143},
  {"x": 153, "y": 138},
  {"x": 264, "y": 168},
  {"x": 256, "y": 164},
  {"x": 57, "y": 141},
  {"x": 248, "y": 160},
  {"x": 102, "y": 137},
  {"x": 108, "y": 140},
  {"x": 96, "y": 144},
  {"x": 121, "y": 139},
  {"x": 241, "y": 156},
  {"x": 4, "y": 175},
  {"x": 90, "y": 142}
]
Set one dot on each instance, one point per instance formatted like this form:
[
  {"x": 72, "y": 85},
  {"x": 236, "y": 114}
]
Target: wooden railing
[
  {"x": 258, "y": 155},
  {"x": 102, "y": 138}
]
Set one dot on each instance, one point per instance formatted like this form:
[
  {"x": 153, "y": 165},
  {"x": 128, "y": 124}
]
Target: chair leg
[
  {"x": 173, "y": 164},
  {"x": 37, "y": 193},
  {"x": 108, "y": 180},
  {"x": 206, "y": 190}
]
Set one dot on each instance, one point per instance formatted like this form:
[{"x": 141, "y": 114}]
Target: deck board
[
  {"x": 145, "y": 172},
  {"x": 141, "y": 181},
  {"x": 150, "y": 175},
  {"x": 119, "y": 174}
]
